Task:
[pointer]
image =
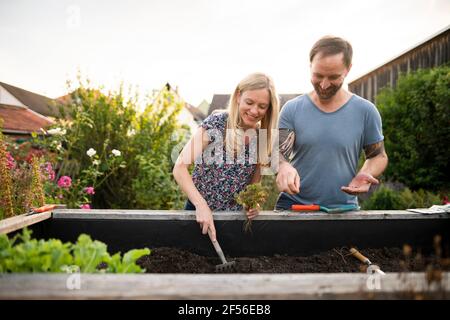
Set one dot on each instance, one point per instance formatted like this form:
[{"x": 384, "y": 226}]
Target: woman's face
[{"x": 253, "y": 105}]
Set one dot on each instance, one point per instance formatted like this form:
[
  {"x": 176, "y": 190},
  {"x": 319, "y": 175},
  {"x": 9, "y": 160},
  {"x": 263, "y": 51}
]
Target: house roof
[
  {"x": 286, "y": 97},
  {"x": 36, "y": 102},
  {"x": 220, "y": 101},
  {"x": 196, "y": 113},
  {"x": 22, "y": 120}
]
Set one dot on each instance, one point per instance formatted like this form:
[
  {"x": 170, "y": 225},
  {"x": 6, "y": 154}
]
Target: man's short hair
[{"x": 330, "y": 45}]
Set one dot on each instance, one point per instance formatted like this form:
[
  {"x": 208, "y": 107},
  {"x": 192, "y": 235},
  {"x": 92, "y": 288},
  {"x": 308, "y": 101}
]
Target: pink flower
[
  {"x": 48, "y": 173},
  {"x": 60, "y": 196},
  {"x": 85, "y": 206},
  {"x": 64, "y": 182},
  {"x": 89, "y": 190},
  {"x": 10, "y": 163}
]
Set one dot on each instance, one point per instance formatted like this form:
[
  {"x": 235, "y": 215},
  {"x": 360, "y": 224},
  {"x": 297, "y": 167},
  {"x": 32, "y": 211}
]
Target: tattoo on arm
[
  {"x": 287, "y": 140},
  {"x": 372, "y": 150}
]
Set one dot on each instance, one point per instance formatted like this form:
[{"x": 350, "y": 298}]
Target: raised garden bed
[
  {"x": 172, "y": 260},
  {"x": 293, "y": 234},
  {"x": 289, "y": 256}
]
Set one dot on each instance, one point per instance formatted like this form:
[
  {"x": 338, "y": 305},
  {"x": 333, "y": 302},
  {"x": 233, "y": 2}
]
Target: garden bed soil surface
[{"x": 172, "y": 260}]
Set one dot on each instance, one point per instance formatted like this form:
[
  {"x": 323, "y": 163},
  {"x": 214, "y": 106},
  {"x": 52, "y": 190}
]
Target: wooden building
[{"x": 432, "y": 52}]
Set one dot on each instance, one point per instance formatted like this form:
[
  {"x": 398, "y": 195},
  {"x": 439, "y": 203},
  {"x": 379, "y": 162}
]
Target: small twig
[{"x": 342, "y": 256}]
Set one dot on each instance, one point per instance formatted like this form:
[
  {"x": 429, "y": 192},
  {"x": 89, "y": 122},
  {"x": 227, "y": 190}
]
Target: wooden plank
[
  {"x": 221, "y": 286},
  {"x": 18, "y": 222},
  {"x": 264, "y": 215}
]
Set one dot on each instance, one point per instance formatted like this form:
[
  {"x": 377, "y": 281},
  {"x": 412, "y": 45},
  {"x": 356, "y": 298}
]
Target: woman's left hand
[{"x": 253, "y": 212}]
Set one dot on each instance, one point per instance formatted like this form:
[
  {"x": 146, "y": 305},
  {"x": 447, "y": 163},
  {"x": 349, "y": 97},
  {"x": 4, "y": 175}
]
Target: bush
[
  {"x": 21, "y": 182},
  {"x": 385, "y": 198},
  {"x": 129, "y": 165},
  {"x": 269, "y": 183},
  {"x": 416, "y": 117}
]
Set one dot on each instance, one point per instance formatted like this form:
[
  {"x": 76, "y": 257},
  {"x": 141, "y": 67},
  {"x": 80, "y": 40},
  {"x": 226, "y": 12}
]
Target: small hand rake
[{"x": 224, "y": 266}]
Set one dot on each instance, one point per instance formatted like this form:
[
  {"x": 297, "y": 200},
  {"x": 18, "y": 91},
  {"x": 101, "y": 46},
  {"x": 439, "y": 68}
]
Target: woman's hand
[
  {"x": 253, "y": 212},
  {"x": 205, "y": 218}
]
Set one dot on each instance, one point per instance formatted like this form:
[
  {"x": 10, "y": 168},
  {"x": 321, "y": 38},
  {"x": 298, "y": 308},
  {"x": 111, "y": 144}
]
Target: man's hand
[
  {"x": 205, "y": 218},
  {"x": 360, "y": 184},
  {"x": 288, "y": 179}
]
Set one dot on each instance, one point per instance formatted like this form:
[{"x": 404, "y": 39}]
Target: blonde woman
[{"x": 223, "y": 152}]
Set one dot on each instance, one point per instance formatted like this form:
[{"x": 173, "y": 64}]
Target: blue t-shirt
[{"x": 328, "y": 145}]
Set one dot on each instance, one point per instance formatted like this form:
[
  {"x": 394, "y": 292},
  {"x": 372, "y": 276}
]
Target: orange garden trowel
[
  {"x": 45, "y": 208},
  {"x": 316, "y": 207}
]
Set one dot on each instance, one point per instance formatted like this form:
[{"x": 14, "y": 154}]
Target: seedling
[{"x": 253, "y": 196}]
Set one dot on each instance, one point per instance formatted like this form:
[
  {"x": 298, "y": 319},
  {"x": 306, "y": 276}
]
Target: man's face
[{"x": 328, "y": 74}]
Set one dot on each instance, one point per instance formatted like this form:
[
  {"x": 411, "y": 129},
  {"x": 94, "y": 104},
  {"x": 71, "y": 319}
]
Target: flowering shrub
[
  {"x": 115, "y": 155},
  {"x": 7, "y": 207},
  {"x": 78, "y": 192},
  {"x": 10, "y": 162},
  {"x": 24, "y": 185},
  {"x": 21, "y": 183}
]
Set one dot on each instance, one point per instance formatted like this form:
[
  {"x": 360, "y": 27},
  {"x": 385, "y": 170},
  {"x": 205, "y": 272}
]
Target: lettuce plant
[{"x": 23, "y": 254}]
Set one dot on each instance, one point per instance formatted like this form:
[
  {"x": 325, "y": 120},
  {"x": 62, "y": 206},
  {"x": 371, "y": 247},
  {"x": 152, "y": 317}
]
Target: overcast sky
[{"x": 201, "y": 46}]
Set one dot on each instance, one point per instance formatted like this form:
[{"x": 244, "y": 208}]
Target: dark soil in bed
[{"x": 172, "y": 260}]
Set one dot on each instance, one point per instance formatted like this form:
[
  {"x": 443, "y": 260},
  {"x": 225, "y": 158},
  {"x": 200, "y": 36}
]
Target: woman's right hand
[{"x": 205, "y": 218}]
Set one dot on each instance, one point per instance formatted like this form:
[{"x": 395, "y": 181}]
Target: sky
[{"x": 202, "y": 47}]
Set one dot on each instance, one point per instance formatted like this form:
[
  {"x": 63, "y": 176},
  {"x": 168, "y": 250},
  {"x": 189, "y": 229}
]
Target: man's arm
[
  {"x": 376, "y": 159},
  {"x": 286, "y": 141},
  {"x": 288, "y": 179},
  {"x": 376, "y": 162}
]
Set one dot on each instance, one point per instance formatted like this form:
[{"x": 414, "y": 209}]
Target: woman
[{"x": 224, "y": 169}]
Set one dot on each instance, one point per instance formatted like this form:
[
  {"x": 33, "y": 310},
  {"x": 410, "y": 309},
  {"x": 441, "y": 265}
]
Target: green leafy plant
[
  {"x": 253, "y": 196},
  {"x": 270, "y": 184},
  {"x": 144, "y": 131},
  {"x": 385, "y": 198},
  {"x": 24, "y": 254},
  {"x": 416, "y": 117}
]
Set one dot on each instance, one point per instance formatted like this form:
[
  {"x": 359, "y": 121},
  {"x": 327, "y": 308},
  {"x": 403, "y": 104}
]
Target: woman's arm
[
  {"x": 191, "y": 151},
  {"x": 257, "y": 175}
]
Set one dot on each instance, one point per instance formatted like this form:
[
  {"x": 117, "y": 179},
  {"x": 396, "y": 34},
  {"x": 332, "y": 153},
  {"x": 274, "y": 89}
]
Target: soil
[{"x": 172, "y": 260}]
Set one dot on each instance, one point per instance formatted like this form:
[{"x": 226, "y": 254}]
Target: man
[{"x": 325, "y": 132}]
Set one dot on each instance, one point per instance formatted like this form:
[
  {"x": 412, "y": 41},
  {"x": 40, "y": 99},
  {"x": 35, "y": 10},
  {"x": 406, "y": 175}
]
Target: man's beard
[{"x": 328, "y": 93}]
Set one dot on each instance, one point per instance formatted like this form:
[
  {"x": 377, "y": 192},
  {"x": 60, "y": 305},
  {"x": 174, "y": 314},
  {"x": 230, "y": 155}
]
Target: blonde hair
[{"x": 253, "y": 81}]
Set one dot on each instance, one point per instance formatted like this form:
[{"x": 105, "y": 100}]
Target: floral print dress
[{"x": 218, "y": 181}]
